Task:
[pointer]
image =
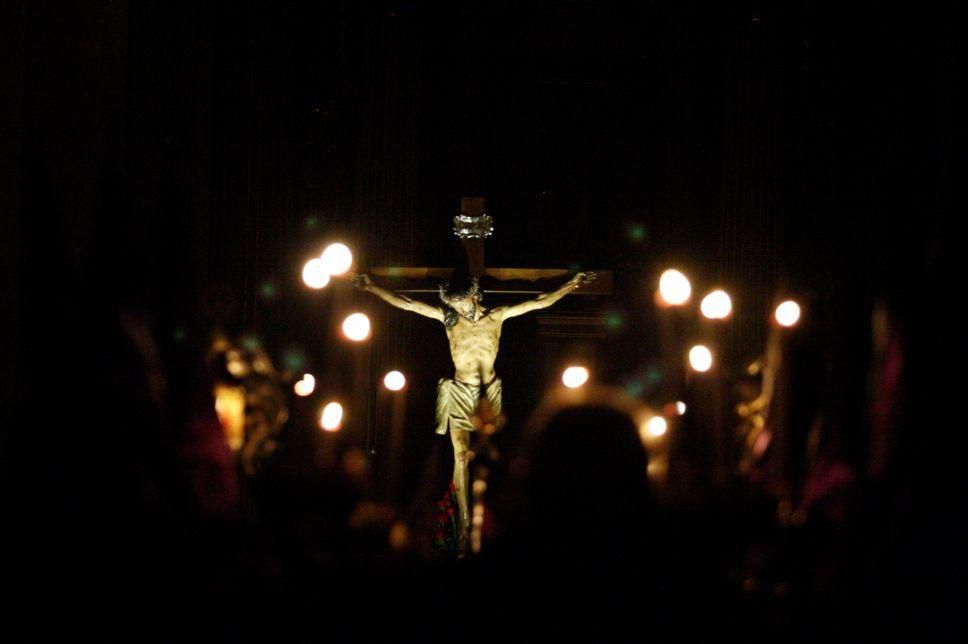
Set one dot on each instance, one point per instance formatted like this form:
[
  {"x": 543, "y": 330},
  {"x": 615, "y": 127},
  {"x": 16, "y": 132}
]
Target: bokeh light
[
  {"x": 306, "y": 386},
  {"x": 787, "y": 313},
  {"x": 675, "y": 408},
  {"x": 332, "y": 417},
  {"x": 399, "y": 536},
  {"x": 717, "y": 305},
  {"x": 230, "y": 409},
  {"x": 574, "y": 377},
  {"x": 700, "y": 358},
  {"x": 674, "y": 287},
  {"x": 614, "y": 321},
  {"x": 315, "y": 274},
  {"x": 657, "y": 426},
  {"x": 356, "y": 327},
  {"x": 268, "y": 290},
  {"x": 658, "y": 469},
  {"x": 634, "y": 388},
  {"x": 636, "y": 232},
  {"x": 337, "y": 259},
  {"x": 394, "y": 381},
  {"x": 294, "y": 359}
]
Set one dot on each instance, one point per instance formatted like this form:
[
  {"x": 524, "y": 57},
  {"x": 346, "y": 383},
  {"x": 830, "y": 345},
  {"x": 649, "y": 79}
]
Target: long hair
[{"x": 447, "y": 293}]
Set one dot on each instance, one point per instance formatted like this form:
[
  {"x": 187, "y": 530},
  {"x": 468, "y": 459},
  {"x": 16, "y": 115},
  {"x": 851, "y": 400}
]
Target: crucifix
[{"x": 471, "y": 400}]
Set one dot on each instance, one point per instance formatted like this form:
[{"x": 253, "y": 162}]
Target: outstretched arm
[
  {"x": 363, "y": 283},
  {"x": 547, "y": 299}
]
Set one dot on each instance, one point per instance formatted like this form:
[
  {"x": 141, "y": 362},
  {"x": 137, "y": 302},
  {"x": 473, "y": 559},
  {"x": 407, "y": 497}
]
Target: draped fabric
[{"x": 457, "y": 402}]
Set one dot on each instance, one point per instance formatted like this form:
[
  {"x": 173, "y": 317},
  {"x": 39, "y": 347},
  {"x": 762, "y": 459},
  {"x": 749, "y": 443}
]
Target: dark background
[{"x": 161, "y": 156}]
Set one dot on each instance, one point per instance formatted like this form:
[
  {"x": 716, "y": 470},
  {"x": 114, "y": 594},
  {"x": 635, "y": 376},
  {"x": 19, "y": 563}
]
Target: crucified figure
[{"x": 474, "y": 333}]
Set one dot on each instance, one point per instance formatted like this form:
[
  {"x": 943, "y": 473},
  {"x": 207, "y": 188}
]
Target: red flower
[
  {"x": 450, "y": 512},
  {"x": 453, "y": 488}
]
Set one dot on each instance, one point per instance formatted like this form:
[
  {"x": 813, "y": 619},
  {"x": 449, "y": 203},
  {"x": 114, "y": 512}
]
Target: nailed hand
[
  {"x": 584, "y": 277},
  {"x": 362, "y": 281}
]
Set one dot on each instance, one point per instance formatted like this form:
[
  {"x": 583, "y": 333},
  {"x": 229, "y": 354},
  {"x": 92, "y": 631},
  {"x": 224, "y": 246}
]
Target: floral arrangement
[{"x": 446, "y": 530}]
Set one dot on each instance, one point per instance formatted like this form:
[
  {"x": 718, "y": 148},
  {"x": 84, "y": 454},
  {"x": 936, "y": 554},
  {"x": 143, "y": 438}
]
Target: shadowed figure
[
  {"x": 580, "y": 491},
  {"x": 574, "y": 518}
]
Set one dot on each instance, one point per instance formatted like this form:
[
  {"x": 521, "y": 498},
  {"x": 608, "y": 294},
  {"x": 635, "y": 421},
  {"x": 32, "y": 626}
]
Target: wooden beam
[
  {"x": 494, "y": 280},
  {"x": 473, "y": 246},
  {"x": 555, "y": 324}
]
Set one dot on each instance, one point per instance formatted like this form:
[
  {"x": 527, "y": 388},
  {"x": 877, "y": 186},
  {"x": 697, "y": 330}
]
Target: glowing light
[
  {"x": 657, "y": 469},
  {"x": 574, "y": 377},
  {"x": 230, "y": 409},
  {"x": 399, "y": 536},
  {"x": 356, "y": 466},
  {"x": 716, "y": 305},
  {"x": 636, "y": 232},
  {"x": 787, "y": 313},
  {"x": 332, "y": 417},
  {"x": 394, "y": 381},
  {"x": 676, "y": 408},
  {"x": 267, "y": 290},
  {"x": 295, "y": 359},
  {"x": 306, "y": 386},
  {"x": 761, "y": 443},
  {"x": 356, "y": 327},
  {"x": 613, "y": 321},
  {"x": 674, "y": 287},
  {"x": 337, "y": 259},
  {"x": 315, "y": 274},
  {"x": 235, "y": 365},
  {"x": 700, "y": 358},
  {"x": 657, "y": 426}
]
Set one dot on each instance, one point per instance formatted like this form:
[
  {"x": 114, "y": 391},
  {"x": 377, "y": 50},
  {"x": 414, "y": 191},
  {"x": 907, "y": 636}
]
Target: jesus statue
[{"x": 474, "y": 333}]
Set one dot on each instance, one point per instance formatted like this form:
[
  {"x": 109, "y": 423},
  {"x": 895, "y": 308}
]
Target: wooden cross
[{"x": 473, "y": 225}]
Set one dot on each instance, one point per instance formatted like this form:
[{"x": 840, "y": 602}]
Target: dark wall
[{"x": 182, "y": 160}]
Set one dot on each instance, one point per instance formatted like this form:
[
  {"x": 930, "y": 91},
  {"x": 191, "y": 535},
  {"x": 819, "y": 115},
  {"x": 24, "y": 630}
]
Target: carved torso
[{"x": 474, "y": 346}]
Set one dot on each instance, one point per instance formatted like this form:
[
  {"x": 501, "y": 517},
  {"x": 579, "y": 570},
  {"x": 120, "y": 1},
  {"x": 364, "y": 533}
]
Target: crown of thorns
[{"x": 471, "y": 291}]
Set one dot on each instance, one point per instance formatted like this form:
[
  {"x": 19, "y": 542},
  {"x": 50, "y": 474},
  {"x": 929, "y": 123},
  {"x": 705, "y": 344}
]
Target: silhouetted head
[{"x": 582, "y": 477}]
